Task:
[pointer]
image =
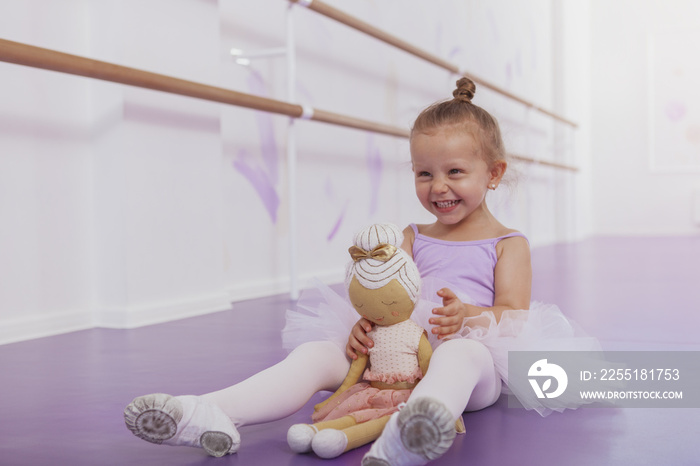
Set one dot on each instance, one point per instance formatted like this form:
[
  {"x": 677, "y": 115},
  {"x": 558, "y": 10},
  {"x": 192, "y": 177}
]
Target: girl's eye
[
  {"x": 455, "y": 171},
  {"x": 420, "y": 174}
]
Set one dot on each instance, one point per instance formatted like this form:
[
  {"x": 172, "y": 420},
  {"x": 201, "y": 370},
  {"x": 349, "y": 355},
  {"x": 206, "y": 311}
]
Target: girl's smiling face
[
  {"x": 387, "y": 305},
  {"x": 451, "y": 177}
]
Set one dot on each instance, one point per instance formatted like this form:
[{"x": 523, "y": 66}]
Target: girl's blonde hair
[{"x": 461, "y": 114}]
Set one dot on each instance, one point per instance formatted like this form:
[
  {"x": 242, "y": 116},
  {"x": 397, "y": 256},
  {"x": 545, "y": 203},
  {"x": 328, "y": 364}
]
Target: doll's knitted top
[{"x": 394, "y": 356}]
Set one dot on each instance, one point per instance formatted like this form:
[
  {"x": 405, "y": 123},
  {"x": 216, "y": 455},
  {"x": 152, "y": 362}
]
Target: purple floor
[{"x": 63, "y": 396}]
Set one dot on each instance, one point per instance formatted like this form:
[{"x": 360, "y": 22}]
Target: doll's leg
[
  {"x": 300, "y": 436},
  {"x": 284, "y": 388},
  {"x": 330, "y": 443},
  {"x": 340, "y": 423},
  {"x": 362, "y": 434},
  {"x": 461, "y": 375}
]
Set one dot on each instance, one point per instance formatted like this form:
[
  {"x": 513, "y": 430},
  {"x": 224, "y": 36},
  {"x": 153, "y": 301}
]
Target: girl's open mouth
[{"x": 446, "y": 206}]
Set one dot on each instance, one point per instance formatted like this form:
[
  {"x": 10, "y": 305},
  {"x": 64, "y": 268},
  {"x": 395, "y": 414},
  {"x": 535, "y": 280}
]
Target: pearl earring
[{"x": 493, "y": 186}]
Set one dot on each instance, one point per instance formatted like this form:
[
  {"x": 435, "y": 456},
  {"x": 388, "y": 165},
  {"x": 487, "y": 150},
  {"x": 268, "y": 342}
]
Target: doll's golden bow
[{"x": 382, "y": 252}]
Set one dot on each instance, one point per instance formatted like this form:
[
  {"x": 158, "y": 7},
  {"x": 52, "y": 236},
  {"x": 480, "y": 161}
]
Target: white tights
[
  {"x": 461, "y": 375},
  {"x": 284, "y": 388}
]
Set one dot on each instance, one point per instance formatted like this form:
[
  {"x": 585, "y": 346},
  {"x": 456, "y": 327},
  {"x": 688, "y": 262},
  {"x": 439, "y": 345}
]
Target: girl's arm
[
  {"x": 408, "y": 237},
  {"x": 512, "y": 283}
]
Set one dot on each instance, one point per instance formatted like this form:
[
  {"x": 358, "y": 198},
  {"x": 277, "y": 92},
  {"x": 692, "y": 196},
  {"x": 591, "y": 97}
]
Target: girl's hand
[
  {"x": 453, "y": 312},
  {"x": 358, "y": 340}
]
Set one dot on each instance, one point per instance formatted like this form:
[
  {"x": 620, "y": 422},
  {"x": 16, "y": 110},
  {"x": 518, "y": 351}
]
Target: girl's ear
[{"x": 498, "y": 169}]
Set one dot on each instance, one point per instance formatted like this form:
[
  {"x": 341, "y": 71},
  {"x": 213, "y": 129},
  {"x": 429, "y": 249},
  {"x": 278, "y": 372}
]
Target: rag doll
[{"x": 383, "y": 285}]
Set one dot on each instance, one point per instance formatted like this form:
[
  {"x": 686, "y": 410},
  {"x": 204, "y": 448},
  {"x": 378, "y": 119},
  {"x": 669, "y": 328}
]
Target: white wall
[
  {"x": 156, "y": 168},
  {"x": 122, "y": 207},
  {"x": 45, "y": 179},
  {"x": 629, "y": 105}
]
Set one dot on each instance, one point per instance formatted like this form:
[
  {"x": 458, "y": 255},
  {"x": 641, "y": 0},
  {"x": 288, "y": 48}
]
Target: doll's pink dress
[
  {"x": 467, "y": 268},
  {"x": 393, "y": 358}
]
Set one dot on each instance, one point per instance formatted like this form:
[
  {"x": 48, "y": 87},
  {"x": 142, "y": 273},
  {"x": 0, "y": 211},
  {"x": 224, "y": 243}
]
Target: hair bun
[
  {"x": 374, "y": 235},
  {"x": 465, "y": 90}
]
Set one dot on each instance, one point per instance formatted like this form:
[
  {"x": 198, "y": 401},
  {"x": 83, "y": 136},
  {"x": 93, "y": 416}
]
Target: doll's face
[{"x": 387, "y": 305}]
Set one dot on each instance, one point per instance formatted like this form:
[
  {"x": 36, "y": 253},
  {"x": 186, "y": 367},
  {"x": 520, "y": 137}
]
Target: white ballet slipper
[
  {"x": 421, "y": 432},
  {"x": 388, "y": 450},
  {"x": 153, "y": 418},
  {"x": 329, "y": 443},
  {"x": 183, "y": 420},
  {"x": 299, "y": 437}
]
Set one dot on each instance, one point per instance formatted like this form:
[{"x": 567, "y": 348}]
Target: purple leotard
[{"x": 467, "y": 265}]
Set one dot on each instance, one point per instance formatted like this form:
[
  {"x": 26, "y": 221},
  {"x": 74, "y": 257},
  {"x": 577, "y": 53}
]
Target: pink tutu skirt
[
  {"x": 363, "y": 402},
  {"x": 323, "y": 314}
]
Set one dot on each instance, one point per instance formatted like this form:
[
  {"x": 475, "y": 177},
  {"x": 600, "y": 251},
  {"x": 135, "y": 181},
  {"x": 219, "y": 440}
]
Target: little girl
[
  {"x": 479, "y": 273},
  {"x": 476, "y": 277}
]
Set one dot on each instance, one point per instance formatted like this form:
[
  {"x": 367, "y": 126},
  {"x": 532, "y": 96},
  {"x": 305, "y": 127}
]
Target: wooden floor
[{"x": 63, "y": 396}]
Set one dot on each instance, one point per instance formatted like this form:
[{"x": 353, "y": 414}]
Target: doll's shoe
[
  {"x": 329, "y": 443},
  {"x": 183, "y": 420},
  {"x": 299, "y": 437},
  {"x": 422, "y": 431}
]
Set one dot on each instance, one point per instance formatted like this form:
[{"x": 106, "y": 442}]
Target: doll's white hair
[{"x": 373, "y": 273}]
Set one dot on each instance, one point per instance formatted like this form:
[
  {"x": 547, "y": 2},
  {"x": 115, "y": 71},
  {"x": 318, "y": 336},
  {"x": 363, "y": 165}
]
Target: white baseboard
[
  {"x": 124, "y": 317},
  {"x": 40, "y": 326},
  {"x": 262, "y": 288},
  {"x": 46, "y": 325},
  {"x": 156, "y": 313}
]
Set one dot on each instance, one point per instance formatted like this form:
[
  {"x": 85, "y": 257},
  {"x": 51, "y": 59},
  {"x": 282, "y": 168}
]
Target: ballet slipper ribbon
[{"x": 383, "y": 253}]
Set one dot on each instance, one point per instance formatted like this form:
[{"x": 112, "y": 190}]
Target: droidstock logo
[{"x": 545, "y": 372}]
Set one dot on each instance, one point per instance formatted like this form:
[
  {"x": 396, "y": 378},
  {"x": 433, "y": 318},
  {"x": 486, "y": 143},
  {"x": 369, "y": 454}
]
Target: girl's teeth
[{"x": 446, "y": 204}]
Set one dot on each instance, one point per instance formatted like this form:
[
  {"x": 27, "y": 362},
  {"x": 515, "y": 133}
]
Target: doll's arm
[
  {"x": 354, "y": 375},
  {"x": 425, "y": 352}
]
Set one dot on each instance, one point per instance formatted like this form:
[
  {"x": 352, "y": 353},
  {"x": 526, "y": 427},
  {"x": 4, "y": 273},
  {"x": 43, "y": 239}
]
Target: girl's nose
[{"x": 439, "y": 186}]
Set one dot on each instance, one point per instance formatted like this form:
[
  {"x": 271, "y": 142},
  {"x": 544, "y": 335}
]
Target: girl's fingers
[
  {"x": 446, "y": 325},
  {"x": 447, "y": 311},
  {"x": 358, "y": 341},
  {"x": 446, "y": 330},
  {"x": 365, "y": 324},
  {"x": 356, "y": 346},
  {"x": 350, "y": 351},
  {"x": 360, "y": 336},
  {"x": 366, "y": 342},
  {"x": 445, "y": 321},
  {"x": 446, "y": 293},
  {"x": 449, "y": 326}
]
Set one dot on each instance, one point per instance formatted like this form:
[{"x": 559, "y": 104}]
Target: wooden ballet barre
[
  {"x": 326, "y": 10},
  {"x": 547, "y": 163},
  {"x": 37, "y": 57}
]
